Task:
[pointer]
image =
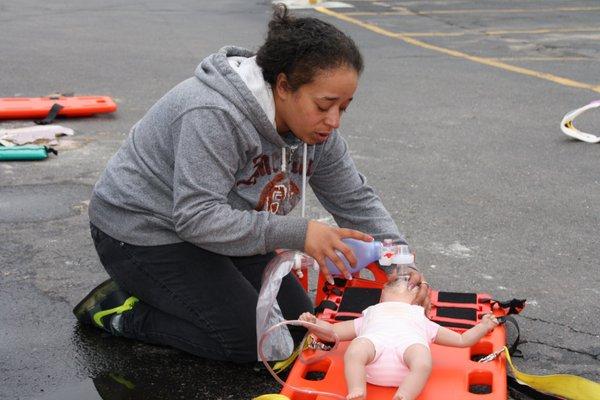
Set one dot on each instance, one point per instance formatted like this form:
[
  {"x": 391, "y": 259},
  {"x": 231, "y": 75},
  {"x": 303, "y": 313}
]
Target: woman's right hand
[{"x": 323, "y": 240}]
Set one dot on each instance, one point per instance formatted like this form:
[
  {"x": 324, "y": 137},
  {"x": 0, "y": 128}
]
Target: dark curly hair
[{"x": 302, "y": 47}]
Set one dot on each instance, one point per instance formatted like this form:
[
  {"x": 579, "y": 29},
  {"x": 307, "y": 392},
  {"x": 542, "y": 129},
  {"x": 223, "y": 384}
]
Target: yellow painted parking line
[
  {"x": 402, "y": 11},
  {"x": 497, "y": 11},
  {"x": 545, "y": 59},
  {"x": 381, "y": 13},
  {"x": 482, "y": 60},
  {"x": 542, "y": 31},
  {"x": 501, "y": 32}
]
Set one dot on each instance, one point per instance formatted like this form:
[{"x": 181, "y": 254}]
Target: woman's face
[{"x": 314, "y": 110}]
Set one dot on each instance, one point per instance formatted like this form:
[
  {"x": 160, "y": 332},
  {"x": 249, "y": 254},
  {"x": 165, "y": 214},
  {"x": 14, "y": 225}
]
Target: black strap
[
  {"x": 513, "y": 348},
  {"x": 51, "y": 115},
  {"x": 515, "y": 306},
  {"x": 51, "y": 150}
]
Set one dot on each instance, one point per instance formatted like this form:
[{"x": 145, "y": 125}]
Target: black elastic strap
[
  {"x": 456, "y": 313},
  {"x": 51, "y": 115},
  {"x": 455, "y": 297}
]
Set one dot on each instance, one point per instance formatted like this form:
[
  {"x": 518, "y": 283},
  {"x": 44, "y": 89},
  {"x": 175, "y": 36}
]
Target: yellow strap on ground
[
  {"x": 570, "y": 387},
  {"x": 282, "y": 365},
  {"x": 271, "y": 397}
]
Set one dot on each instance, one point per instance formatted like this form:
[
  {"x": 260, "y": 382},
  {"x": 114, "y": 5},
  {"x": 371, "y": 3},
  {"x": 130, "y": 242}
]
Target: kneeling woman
[{"x": 191, "y": 208}]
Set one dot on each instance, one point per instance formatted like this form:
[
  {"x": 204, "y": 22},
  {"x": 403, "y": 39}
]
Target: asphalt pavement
[{"x": 455, "y": 123}]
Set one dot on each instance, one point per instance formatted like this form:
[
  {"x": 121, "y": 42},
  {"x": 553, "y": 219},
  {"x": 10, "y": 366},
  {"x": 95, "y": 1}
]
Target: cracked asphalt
[{"x": 467, "y": 156}]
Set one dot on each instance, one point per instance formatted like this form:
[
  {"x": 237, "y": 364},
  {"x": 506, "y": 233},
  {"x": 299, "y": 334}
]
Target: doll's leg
[
  {"x": 360, "y": 352},
  {"x": 417, "y": 358}
]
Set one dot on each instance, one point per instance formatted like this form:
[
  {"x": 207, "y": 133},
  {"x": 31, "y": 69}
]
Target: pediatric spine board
[
  {"x": 39, "y": 107},
  {"x": 456, "y": 374}
]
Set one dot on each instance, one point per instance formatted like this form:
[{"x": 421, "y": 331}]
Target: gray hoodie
[{"x": 205, "y": 165}]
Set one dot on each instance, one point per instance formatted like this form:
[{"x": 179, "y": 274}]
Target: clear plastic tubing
[{"x": 314, "y": 328}]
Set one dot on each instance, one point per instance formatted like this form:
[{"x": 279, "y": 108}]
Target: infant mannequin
[{"x": 390, "y": 342}]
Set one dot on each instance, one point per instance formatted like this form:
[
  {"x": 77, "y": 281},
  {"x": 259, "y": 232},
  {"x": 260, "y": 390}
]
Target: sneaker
[{"x": 102, "y": 304}]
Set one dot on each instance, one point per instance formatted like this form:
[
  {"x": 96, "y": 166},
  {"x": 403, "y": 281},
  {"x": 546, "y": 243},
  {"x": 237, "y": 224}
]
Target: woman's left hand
[{"x": 422, "y": 297}]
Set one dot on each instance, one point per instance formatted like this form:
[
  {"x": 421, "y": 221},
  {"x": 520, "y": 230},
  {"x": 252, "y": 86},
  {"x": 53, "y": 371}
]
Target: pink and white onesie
[{"x": 392, "y": 327}]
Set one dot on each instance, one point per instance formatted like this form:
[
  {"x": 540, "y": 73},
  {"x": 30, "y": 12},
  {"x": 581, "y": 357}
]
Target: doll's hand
[
  {"x": 489, "y": 321},
  {"x": 308, "y": 317}
]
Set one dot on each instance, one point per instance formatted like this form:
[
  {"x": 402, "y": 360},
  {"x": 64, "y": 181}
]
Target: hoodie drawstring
[{"x": 304, "y": 169}]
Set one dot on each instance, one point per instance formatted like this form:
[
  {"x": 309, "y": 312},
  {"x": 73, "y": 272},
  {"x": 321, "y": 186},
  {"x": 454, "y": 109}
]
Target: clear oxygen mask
[{"x": 396, "y": 260}]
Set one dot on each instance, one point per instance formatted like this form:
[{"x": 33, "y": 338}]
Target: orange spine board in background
[{"x": 39, "y": 107}]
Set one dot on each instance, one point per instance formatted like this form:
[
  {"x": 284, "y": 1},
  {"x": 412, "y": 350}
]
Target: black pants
[{"x": 195, "y": 300}]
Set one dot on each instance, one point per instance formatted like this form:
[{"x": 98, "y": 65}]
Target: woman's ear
[{"x": 282, "y": 86}]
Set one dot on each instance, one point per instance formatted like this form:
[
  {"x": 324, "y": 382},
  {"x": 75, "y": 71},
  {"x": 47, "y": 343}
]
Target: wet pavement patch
[
  {"x": 81, "y": 391},
  {"x": 151, "y": 386},
  {"x": 118, "y": 369},
  {"x": 44, "y": 202}
]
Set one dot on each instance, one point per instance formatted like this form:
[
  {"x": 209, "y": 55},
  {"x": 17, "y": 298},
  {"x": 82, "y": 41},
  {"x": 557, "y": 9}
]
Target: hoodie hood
[
  {"x": 216, "y": 72},
  {"x": 252, "y": 75}
]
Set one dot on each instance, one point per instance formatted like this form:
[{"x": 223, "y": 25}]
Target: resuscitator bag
[{"x": 280, "y": 345}]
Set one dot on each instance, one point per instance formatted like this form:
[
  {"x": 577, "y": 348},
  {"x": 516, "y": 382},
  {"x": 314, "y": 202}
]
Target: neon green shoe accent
[
  {"x": 119, "y": 379},
  {"x": 126, "y": 306}
]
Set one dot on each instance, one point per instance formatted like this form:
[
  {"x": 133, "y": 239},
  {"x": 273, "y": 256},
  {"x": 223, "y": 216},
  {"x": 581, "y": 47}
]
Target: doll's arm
[
  {"x": 447, "y": 337},
  {"x": 344, "y": 330}
]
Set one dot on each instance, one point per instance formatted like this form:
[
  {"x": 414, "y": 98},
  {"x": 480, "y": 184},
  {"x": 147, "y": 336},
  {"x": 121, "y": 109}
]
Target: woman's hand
[
  {"x": 323, "y": 240},
  {"x": 422, "y": 296}
]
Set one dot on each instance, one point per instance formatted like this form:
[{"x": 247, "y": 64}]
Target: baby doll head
[{"x": 397, "y": 290}]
